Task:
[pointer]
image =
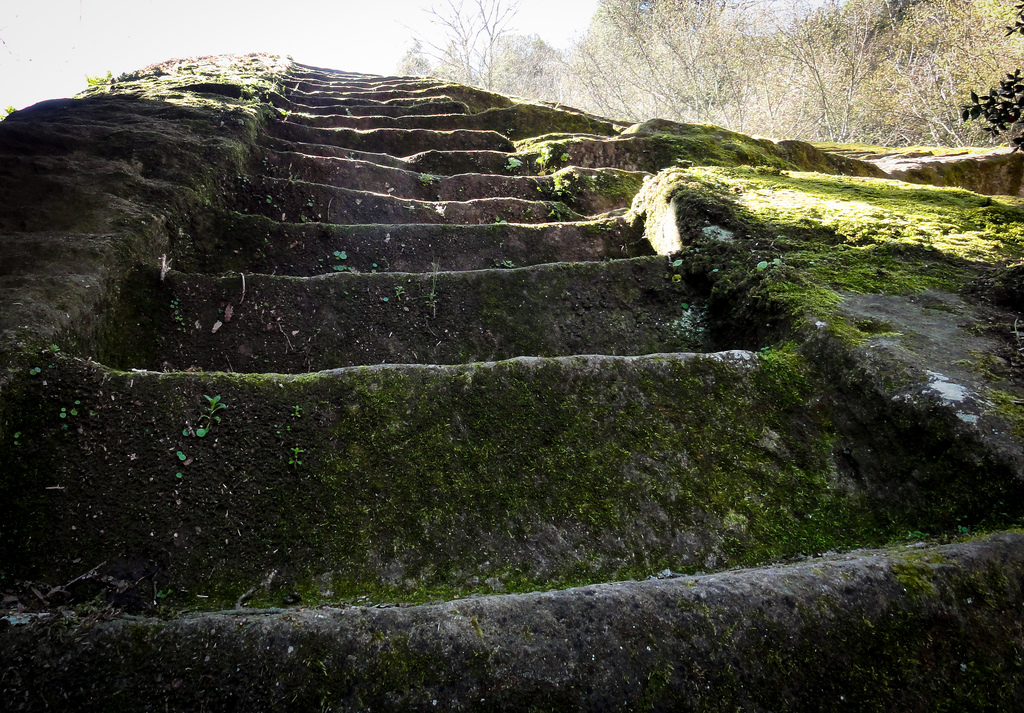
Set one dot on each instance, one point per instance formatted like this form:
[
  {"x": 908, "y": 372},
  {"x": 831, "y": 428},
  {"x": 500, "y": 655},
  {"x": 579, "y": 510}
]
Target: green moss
[
  {"x": 813, "y": 236},
  {"x": 417, "y": 484},
  {"x": 915, "y": 578}
]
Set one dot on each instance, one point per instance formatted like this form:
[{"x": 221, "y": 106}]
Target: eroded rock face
[
  {"x": 276, "y": 335},
  {"x": 994, "y": 172}
]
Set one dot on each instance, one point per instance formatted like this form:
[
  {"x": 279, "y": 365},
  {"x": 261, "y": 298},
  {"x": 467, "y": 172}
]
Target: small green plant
[
  {"x": 428, "y": 179},
  {"x": 34, "y": 370},
  {"x": 341, "y": 255},
  {"x": 296, "y": 412},
  {"x": 513, "y": 163},
  {"x": 506, "y": 264},
  {"x": 97, "y": 80},
  {"x": 177, "y": 316},
  {"x": 294, "y": 461},
  {"x": 9, "y": 110},
  {"x": 207, "y": 420},
  {"x": 559, "y": 212},
  {"x": 17, "y": 435},
  {"x": 399, "y": 291}
]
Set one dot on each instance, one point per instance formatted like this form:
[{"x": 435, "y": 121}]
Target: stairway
[{"x": 409, "y": 414}]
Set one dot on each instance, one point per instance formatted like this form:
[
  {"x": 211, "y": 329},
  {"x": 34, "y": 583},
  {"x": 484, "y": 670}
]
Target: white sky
[{"x": 50, "y": 45}]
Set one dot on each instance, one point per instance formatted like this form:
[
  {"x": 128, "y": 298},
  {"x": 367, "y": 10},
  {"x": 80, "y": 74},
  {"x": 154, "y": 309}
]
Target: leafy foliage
[{"x": 1001, "y": 107}]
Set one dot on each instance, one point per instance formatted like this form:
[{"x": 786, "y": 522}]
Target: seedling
[
  {"x": 296, "y": 412},
  {"x": 207, "y": 420},
  {"x": 341, "y": 255},
  {"x": 513, "y": 163},
  {"x": 294, "y": 460},
  {"x": 399, "y": 291}
]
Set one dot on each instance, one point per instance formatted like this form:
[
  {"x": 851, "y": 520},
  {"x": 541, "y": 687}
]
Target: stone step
[
  {"x": 340, "y": 102},
  {"x": 438, "y": 163},
  {"x": 397, "y": 142},
  {"x": 845, "y": 629},
  {"x": 247, "y": 243},
  {"x": 286, "y": 324},
  {"x": 397, "y": 480},
  {"x": 475, "y": 99},
  {"x": 297, "y": 201},
  {"x": 344, "y": 86},
  {"x": 424, "y": 108},
  {"x": 517, "y": 122},
  {"x": 588, "y": 191},
  {"x": 658, "y": 144}
]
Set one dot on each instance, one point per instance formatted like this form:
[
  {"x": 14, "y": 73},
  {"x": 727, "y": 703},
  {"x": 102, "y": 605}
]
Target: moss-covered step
[
  {"x": 658, "y": 144},
  {"x": 236, "y": 242},
  {"x": 933, "y": 628},
  {"x": 310, "y": 84},
  {"x": 424, "y": 481},
  {"x": 475, "y": 99},
  {"x": 336, "y": 104},
  {"x": 298, "y": 201},
  {"x": 426, "y": 108},
  {"x": 518, "y": 121},
  {"x": 587, "y": 190},
  {"x": 284, "y": 324},
  {"x": 398, "y": 142},
  {"x": 438, "y": 163}
]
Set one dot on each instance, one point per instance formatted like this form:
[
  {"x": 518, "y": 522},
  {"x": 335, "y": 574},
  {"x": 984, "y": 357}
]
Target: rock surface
[{"x": 377, "y": 392}]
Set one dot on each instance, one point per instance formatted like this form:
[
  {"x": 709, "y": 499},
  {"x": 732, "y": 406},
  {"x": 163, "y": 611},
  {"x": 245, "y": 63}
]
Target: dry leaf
[
  {"x": 217, "y": 325},
  {"x": 229, "y": 312}
]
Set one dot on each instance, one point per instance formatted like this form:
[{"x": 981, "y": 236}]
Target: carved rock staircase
[{"x": 395, "y": 360}]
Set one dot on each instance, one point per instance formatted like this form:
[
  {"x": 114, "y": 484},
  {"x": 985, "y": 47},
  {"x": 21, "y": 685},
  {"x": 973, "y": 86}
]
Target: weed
[
  {"x": 506, "y": 264},
  {"x": 513, "y": 163},
  {"x": 559, "y": 212},
  {"x": 432, "y": 296},
  {"x": 207, "y": 420},
  {"x": 341, "y": 255},
  {"x": 399, "y": 291},
  {"x": 294, "y": 460},
  {"x": 98, "y": 80},
  {"x": 177, "y": 316},
  {"x": 428, "y": 179},
  {"x": 296, "y": 412}
]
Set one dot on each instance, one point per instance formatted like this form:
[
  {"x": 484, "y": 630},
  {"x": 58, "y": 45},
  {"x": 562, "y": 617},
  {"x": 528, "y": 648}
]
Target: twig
[
  {"x": 290, "y": 347},
  {"x": 245, "y": 597},
  {"x": 243, "y": 288},
  {"x": 90, "y": 573}
]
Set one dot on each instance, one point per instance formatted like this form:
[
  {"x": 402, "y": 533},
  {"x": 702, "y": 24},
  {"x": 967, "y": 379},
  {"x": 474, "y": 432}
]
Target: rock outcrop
[{"x": 354, "y": 392}]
